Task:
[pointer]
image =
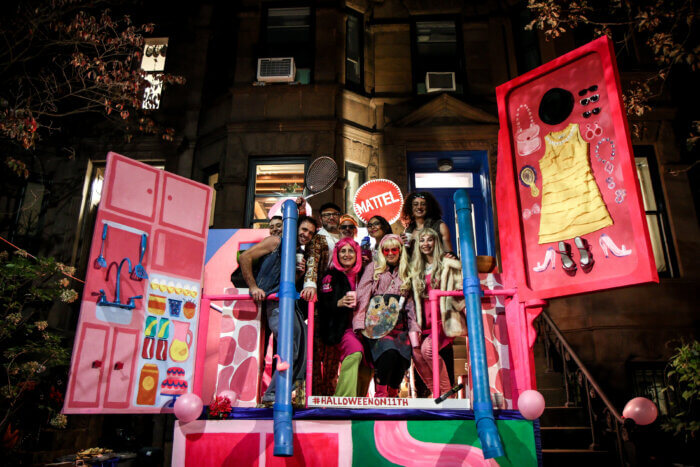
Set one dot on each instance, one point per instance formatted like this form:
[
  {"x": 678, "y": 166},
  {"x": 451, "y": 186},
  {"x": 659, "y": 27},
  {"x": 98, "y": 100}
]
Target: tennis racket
[{"x": 322, "y": 174}]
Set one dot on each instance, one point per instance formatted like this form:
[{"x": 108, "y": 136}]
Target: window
[
  {"x": 355, "y": 176},
  {"x": 648, "y": 380},
  {"x": 445, "y": 180},
  {"x": 654, "y": 205},
  {"x": 437, "y": 49},
  {"x": 30, "y": 213},
  {"x": 153, "y": 63},
  {"x": 270, "y": 182},
  {"x": 526, "y": 42},
  {"x": 211, "y": 178},
  {"x": 288, "y": 32},
  {"x": 354, "y": 52}
]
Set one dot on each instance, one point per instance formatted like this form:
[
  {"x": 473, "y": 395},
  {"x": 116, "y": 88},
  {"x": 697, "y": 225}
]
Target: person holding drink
[{"x": 337, "y": 301}]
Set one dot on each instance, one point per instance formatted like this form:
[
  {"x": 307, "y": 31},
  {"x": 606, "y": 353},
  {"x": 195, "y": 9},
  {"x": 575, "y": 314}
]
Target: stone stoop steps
[{"x": 566, "y": 431}]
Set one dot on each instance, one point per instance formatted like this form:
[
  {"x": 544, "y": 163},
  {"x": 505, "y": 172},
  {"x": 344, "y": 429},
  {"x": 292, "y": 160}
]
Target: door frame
[{"x": 476, "y": 162}]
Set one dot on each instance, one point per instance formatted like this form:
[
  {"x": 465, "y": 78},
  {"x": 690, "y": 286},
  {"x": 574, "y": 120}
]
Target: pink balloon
[
  {"x": 641, "y": 410},
  {"x": 531, "y": 404},
  {"x": 188, "y": 407},
  {"x": 232, "y": 396}
]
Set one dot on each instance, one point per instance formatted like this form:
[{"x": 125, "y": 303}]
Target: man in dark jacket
[{"x": 267, "y": 282}]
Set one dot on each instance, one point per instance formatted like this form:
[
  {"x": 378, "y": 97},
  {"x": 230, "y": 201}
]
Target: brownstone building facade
[{"x": 391, "y": 89}]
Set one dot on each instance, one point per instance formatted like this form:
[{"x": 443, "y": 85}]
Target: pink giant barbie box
[{"x": 570, "y": 213}]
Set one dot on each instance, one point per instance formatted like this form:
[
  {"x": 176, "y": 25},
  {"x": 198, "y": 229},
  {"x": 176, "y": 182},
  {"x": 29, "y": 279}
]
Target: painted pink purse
[{"x": 527, "y": 140}]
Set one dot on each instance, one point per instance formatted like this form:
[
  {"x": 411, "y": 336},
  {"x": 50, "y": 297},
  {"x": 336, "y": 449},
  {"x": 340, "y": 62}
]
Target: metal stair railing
[{"x": 582, "y": 390}]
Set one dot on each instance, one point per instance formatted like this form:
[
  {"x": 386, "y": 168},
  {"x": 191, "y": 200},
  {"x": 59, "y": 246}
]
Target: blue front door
[{"x": 469, "y": 170}]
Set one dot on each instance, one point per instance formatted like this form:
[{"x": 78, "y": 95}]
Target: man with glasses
[
  {"x": 319, "y": 254},
  {"x": 348, "y": 227},
  {"x": 319, "y": 251}
]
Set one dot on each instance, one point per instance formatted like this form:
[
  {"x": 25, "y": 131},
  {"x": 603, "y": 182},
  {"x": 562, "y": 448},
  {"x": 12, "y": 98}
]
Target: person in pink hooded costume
[{"x": 337, "y": 303}]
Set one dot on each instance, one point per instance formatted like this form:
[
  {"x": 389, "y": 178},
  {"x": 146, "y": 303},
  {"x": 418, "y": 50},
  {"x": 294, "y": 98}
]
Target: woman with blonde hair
[
  {"x": 431, "y": 269},
  {"x": 385, "y": 316}
]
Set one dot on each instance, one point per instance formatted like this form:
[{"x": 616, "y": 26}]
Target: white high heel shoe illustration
[
  {"x": 548, "y": 258},
  {"x": 607, "y": 243}
]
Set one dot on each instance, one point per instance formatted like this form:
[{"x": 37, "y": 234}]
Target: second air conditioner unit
[
  {"x": 276, "y": 70},
  {"x": 440, "y": 81}
]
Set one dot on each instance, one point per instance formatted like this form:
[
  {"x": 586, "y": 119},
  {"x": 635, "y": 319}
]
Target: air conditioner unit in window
[
  {"x": 276, "y": 70},
  {"x": 440, "y": 81}
]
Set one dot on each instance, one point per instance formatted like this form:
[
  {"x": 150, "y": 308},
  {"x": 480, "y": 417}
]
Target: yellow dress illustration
[{"x": 571, "y": 201}]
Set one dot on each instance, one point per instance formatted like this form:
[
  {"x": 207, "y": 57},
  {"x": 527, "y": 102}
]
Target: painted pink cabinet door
[
  {"x": 89, "y": 368},
  {"x": 173, "y": 252},
  {"x": 182, "y": 205},
  {"x": 132, "y": 188},
  {"x": 121, "y": 368}
]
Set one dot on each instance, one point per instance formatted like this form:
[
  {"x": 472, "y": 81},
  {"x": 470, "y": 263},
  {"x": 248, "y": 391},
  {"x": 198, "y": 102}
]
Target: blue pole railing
[
  {"x": 483, "y": 408},
  {"x": 282, "y": 409}
]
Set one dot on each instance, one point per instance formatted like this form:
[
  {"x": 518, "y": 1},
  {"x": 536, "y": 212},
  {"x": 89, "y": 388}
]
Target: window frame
[
  {"x": 206, "y": 174},
  {"x": 352, "y": 167},
  {"x": 460, "y": 67},
  {"x": 253, "y": 162},
  {"x": 353, "y": 86},
  {"x": 311, "y": 46},
  {"x": 152, "y": 75},
  {"x": 648, "y": 153}
]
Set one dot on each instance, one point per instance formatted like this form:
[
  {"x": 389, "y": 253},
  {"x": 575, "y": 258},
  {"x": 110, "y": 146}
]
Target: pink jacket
[{"x": 387, "y": 282}]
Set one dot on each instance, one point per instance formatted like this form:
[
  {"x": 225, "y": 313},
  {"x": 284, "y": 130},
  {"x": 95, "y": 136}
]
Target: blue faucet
[{"x": 130, "y": 304}]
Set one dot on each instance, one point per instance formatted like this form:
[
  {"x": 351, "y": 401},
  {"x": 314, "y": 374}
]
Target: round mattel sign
[{"x": 378, "y": 198}]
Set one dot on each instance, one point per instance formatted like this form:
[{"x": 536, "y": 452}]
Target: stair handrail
[{"x": 591, "y": 380}]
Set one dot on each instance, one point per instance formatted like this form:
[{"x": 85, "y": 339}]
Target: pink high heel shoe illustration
[
  {"x": 606, "y": 244},
  {"x": 548, "y": 258}
]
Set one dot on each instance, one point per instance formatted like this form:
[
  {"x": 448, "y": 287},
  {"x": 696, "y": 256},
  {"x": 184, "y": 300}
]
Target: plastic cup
[
  {"x": 352, "y": 294},
  {"x": 300, "y": 258},
  {"x": 409, "y": 237}
]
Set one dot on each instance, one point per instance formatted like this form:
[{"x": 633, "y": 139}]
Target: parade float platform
[{"x": 347, "y": 437}]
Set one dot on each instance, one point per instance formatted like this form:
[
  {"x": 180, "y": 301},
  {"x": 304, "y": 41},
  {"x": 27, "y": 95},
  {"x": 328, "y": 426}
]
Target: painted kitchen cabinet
[
  {"x": 121, "y": 368},
  {"x": 91, "y": 350},
  {"x": 139, "y": 319},
  {"x": 133, "y": 189}
]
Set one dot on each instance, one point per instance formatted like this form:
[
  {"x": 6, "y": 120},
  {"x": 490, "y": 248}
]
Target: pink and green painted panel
[{"x": 351, "y": 443}]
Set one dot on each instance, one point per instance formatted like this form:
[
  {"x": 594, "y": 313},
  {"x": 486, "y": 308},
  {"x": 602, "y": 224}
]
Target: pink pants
[{"x": 422, "y": 359}]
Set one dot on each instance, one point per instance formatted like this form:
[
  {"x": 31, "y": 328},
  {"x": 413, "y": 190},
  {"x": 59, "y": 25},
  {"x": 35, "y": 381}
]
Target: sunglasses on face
[
  {"x": 374, "y": 225},
  {"x": 347, "y": 227},
  {"x": 595, "y": 111},
  {"x": 583, "y": 92},
  {"x": 391, "y": 251},
  {"x": 593, "y": 98},
  {"x": 328, "y": 215}
]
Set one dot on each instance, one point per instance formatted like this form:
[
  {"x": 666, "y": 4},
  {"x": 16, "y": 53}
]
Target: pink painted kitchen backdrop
[{"x": 135, "y": 352}]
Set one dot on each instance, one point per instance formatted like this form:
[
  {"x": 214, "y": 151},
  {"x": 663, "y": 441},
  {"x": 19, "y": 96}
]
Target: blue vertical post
[
  {"x": 483, "y": 409},
  {"x": 282, "y": 409}
]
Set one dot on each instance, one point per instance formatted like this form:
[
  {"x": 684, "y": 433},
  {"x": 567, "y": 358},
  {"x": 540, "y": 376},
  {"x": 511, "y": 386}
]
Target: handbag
[
  {"x": 527, "y": 140},
  {"x": 382, "y": 315}
]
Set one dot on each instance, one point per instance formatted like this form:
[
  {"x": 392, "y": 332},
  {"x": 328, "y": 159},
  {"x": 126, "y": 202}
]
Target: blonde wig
[
  {"x": 392, "y": 241},
  {"x": 416, "y": 275}
]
